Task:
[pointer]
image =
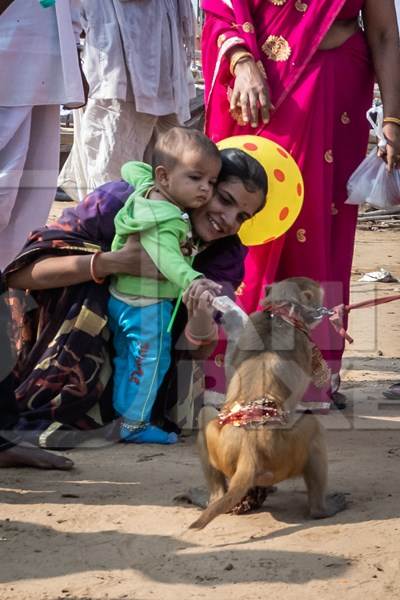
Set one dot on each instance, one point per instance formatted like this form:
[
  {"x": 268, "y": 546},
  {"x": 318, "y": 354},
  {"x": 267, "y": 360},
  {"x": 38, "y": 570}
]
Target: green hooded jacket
[{"x": 162, "y": 228}]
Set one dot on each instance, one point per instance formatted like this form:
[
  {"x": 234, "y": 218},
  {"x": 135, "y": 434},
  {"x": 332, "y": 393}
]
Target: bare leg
[
  {"x": 315, "y": 476},
  {"x": 216, "y": 482},
  {"x": 17, "y": 456}
]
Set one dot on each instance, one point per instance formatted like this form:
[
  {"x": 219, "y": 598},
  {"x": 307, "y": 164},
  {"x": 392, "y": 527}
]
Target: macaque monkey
[{"x": 272, "y": 364}]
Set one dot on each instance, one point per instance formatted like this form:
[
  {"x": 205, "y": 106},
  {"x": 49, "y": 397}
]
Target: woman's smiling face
[{"x": 231, "y": 205}]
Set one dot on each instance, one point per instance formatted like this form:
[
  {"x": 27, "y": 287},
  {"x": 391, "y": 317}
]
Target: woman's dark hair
[{"x": 237, "y": 164}]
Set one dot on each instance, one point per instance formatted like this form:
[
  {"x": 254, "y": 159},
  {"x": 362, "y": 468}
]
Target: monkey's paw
[
  {"x": 195, "y": 496},
  {"x": 334, "y": 503}
]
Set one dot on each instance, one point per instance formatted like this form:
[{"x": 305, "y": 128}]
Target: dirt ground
[{"x": 111, "y": 529}]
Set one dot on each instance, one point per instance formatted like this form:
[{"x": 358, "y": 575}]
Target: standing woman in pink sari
[{"x": 301, "y": 73}]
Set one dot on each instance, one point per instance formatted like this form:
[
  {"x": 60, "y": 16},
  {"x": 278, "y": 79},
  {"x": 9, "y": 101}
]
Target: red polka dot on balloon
[
  {"x": 284, "y": 213},
  {"x": 279, "y": 175},
  {"x": 249, "y": 146},
  {"x": 283, "y": 153},
  {"x": 299, "y": 189}
]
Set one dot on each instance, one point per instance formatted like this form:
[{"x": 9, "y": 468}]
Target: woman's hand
[
  {"x": 132, "y": 259},
  {"x": 391, "y": 154},
  {"x": 383, "y": 39},
  {"x": 199, "y": 295},
  {"x": 250, "y": 93},
  {"x": 201, "y": 325}
]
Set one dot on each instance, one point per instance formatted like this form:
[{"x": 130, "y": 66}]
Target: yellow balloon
[{"x": 285, "y": 189}]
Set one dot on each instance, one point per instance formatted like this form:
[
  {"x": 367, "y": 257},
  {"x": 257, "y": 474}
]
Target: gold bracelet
[
  {"x": 394, "y": 120},
  {"x": 92, "y": 266},
  {"x": 236, "y": 58}
]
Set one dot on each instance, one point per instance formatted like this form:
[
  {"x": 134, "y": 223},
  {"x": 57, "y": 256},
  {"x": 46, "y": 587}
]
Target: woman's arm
[
  {"x": 250, "y": 90},
  {"x": 229, "y": 44},
  {"x": 62, "y": 271},
  {"x": 201, "y": 325},
  {"x": 51, "y": 272},
  {"x": 383, "y": 39}
]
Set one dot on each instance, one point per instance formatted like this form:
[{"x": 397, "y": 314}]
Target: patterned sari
[
  {"x": 63, "y": 367},
  {"x": 320, "y": 99},
  {"x": 63, "y": 372}
]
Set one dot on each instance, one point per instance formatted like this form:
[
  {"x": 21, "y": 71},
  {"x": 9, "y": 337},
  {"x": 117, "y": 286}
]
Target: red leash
[{"x": 342, "y": 309}]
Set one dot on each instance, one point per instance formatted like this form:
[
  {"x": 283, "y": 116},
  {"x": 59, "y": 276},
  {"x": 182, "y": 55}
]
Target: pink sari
[{"x": 321, "y": 98}]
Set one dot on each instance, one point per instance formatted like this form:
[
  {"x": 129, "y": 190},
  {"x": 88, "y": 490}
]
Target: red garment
[{"x": 321, "y": 97}]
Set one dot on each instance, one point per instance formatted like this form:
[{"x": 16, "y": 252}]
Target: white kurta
[
  {"x": 136, "y": 62},
  {"x": 137, "y": 47},
  {"x": 29, "y": 163},
  {"x": 39, "y": 70},
  {"x": 38, "y": 56}
]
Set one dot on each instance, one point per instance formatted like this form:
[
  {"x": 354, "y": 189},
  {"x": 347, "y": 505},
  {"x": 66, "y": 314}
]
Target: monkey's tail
[{"x": 241, "y": 482}]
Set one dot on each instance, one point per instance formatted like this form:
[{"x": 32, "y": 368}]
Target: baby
[{"x": 185, "y": 169}]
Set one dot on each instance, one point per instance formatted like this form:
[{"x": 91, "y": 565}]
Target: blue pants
[{"x": 142, "y": 356}]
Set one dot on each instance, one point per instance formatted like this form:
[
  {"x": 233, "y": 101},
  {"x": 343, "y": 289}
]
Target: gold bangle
[
  {"x": 236, "y": 58},
  {"x": 394, "y": 120},
  {"x": 92, "y": 266}
]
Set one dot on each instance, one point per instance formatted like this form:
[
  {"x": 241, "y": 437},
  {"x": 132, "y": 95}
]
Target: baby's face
[{"x": 192, "y": 180}]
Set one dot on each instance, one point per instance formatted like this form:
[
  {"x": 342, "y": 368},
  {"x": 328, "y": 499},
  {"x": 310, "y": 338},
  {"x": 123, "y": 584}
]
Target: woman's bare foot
[{"x": 18, "y": 456}]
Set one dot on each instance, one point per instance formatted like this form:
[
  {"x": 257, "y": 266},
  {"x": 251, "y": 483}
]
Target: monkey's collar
[
  {"x": 297, "y": 314},
  {"x": 259, "y": 412}
]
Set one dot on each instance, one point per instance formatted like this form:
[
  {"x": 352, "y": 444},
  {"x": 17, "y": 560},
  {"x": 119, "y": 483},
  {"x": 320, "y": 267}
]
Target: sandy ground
[{"x": 111, "y": 529}]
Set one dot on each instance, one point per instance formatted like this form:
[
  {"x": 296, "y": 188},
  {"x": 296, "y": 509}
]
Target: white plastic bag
[{"x": 371, "y": 182}]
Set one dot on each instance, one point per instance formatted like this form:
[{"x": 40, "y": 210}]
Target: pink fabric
[
  {"x": 351, "y": 9},
  {"x": 321, "y": 99},
  {"x": 302, "y": 30}
]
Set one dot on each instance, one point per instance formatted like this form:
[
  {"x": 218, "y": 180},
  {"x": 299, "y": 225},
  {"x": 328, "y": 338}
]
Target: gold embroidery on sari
[
  {"x": 276, "y": 48},
  {"x": 301, "y": 6},
  {"x": 328, "y": 156},
  {"x": 345, "y": 119},
  {"x": 334, "y": 210},
  {"x": 240, "y": 290},
  {"x": 43, "y": 437},
  {"x": 219, "y": 360},
  {"x": 301, "y": 235},
  {"x": 248, "y": 27},
  {"x": 221, "y": 39},
  {"x": 278, "y": 2}
]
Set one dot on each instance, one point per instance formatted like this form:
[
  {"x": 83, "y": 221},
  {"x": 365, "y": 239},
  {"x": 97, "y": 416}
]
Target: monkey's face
[
  {"x": 302, "y": 294},
  {"x": 312, "y": 301}
]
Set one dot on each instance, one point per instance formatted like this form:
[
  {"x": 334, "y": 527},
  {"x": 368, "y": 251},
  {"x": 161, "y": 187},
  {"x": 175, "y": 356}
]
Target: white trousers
[
  {"x": 107, "y": 134},
  {"x": 29, "y": 160}
]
